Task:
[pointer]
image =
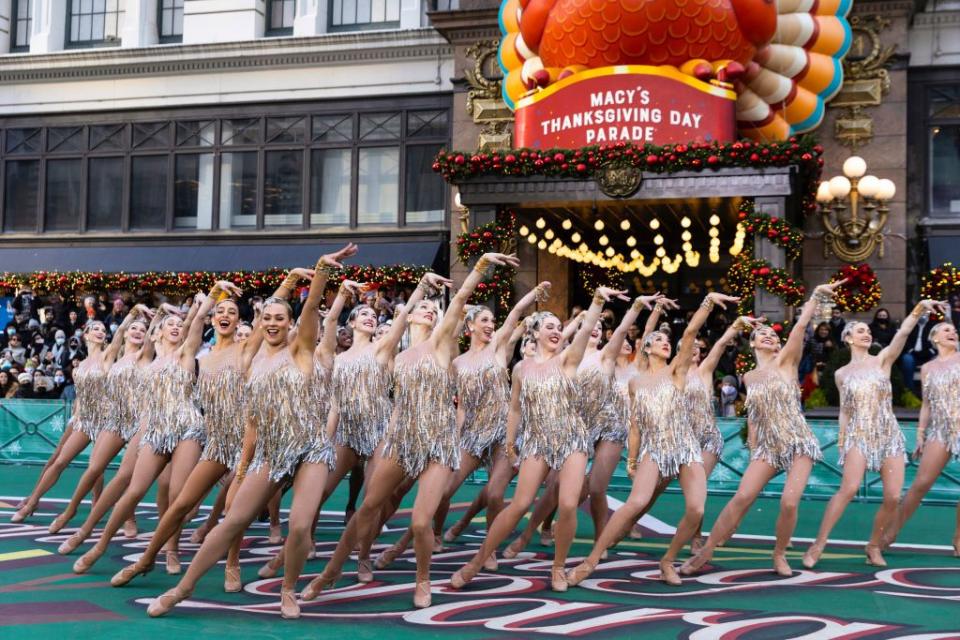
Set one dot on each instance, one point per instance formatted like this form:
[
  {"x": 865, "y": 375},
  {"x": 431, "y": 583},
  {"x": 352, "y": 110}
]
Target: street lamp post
[{"x": 853, "y": 208}]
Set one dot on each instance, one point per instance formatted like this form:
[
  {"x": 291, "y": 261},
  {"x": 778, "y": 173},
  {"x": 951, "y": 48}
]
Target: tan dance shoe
[
  {"x": 289, "y": 609},
  {"x": 128, "y": 573},
  {"x": 167, "y": 601},
  {"x": 580, "y": 573},
  {"x": 231, "y": 579},
  {"x": 421, "y": 594},
  {"x": 318, "y": 585}
]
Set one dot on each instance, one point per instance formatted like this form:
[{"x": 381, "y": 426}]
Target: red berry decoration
[{"x": 860, "y": 292}]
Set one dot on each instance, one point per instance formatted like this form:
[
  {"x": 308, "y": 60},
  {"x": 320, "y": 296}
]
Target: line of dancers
[{"x": 278, "y": 406}]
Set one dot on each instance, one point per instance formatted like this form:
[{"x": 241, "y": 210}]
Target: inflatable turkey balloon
[{"x": 783, "y": 57}]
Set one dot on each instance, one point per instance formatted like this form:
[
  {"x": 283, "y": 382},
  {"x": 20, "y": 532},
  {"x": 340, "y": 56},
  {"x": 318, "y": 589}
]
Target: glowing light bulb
[
  {"x": 532, "y": 238},
  {"x": 635, "y": 254},
  {"x": 687, "y": 246},
  {"x": 542, "y": 244},
  {"x": 686, "y": 236},
  {"x": 575, "y": 237},
  {"x": 714, "y": 232},
  {"x": 685, "y": 222},
  {"x": 541, "y": 223},
  {"x": 598, "y": 225},
  {"x": 654, "y": 224},
  {"x": 625, "y": 225},
  {"x": 524, "y": 230},
  {"x": 631, "y": 241},
  {"x": 604, "y": 241},
  {"x": 566, "y": 224},
  {"x": 661, "y": 252},
  {"x": 658, "y": 239},
  {"x": 549, "y": 235},
  {"x": 609, "y": 252},
  {"x": 714, "y": 219}
]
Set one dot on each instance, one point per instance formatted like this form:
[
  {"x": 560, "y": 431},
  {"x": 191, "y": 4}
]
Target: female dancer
[
  {"x": 421, "y": 442},
  {"x": 544, "y": 399},
  {"x": 121, "y": 381},
  {"x": 603, "y": 377},
  {"x": 870, "y": 438},
  {"x": 668, "y": 444},
  {"x": 91, "y": 410},
  {"x": 938, "y": 431},
  {"x": 173, "y": 430},
  {"x": 281, "y": 436},
  {"x": 220, "y": 393},
  {"x": 779, "y": 437},
  {"x": 483, "y": 392}
]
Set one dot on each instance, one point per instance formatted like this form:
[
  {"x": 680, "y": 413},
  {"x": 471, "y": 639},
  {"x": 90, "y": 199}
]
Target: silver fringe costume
[
  {"x": 424, "y": 424},
  {"x": 93, "y": 410},
  {"x": 278, "y": 402},
  {"x": 219, "y": 392},
  {"x": 867, "y": 398},
  {"x": 613, "y": 422},
  {"x": 942, "y": 391},
  {"x": 360, "y": 389},
  {"x": 484, "y": 395},
  {"x": 702, "y": 417},
  {"x": 169, "y": 414},
  {"x": 775, "y": 412},
  {"x": 124, "y": 384},
  {"x": 319, "y": 449},
  {"x": 551, "y": 426},
  {"x": 666, "y": 432}
]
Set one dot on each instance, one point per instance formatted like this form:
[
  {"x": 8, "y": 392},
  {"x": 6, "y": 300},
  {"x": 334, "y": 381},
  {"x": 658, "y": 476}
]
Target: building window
[
  {"x": 943, "y": 128},
  {"x": 347, "y": 15},
  {"x": 21, "y": 21},
  {"x": 189, "y": 170},
  {"x": 94, "y": 23},
  {"x": 171, "y": 20},
  {"x": 280, "y": 15}
]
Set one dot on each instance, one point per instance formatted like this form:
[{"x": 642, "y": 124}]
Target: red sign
[{"x": 640, "y": 104}]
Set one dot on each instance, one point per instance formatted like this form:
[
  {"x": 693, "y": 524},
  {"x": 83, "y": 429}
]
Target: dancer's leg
[
  {"x": 891, "y": 474},
  {"x": 693, "y": 482},
  {"x": 106, "y": 447},
  {"x": 793, "y": 489},
  {"x": 854, "y": 466},
  {"x": 433, "y": 482},
  {"x": 71, "y": 449},
  {"x": 355, "y": 485},
  {"x": 542, "y": 510},
  {"x": 934, "y": 459},
  {"x": 468, "y": 464},
  {"x": 756, "y": 477},
  {"x": 308, "y": 485},
  {"x": 205, "y": 475},
  {"x": 532, "y": 473},
  {"x": 500, "y": 476},
  {"x": 149, "y": 466},
  {"x": 570, "y": 480},
  {"x": 182, "y": 463},
  {"x": 710, "y": 461},
  {"x": 606, "y": 457},
  {"x": 213, "y": 518}
]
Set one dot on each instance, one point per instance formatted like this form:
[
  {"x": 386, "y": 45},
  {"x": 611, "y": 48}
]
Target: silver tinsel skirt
[
  {"x": 782, "y": 457},
  {"x": 711, "y": 440},
  {"x": 940, "y": 431},
  {"x": 874, "y": 454}
]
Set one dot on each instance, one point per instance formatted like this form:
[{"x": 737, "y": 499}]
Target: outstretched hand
[
  {"x": 722, "y": 299},
  {"x": 436, "y": 281},
  {"x": 334, "y": 259},
  {"x": 608, "y": 293}
]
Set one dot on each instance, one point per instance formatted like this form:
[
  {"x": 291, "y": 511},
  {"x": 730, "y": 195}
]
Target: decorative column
[
  {"x": 140, "y": 24},
  {"x": 311, "y": 18},
  {"x": 48, "y": 29},
  {"x": 765, "y": 303}
]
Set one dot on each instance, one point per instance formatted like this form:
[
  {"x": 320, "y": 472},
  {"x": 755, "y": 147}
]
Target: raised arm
[
  {"x": 388, "y": 343},
  {"x": 328, "y": 343},
  {"x": 612, "y": 348},
  {"x": 571, "y": 329},
  {"x": 793, "y": 349},
  {"x": 114, "y": 347},
  {"x": 890, "y": 353},
  {"x": 513, "y": 416},
  {"x": 306, "y": 339},
  {"x": 573, "y": 354},
  {"x": 446, "y": 331},
  {"x": 709, "y": 362},
  {"x": 681, "y": 362},
  {"x": 149, "y": 348},
  {"x": 538, "y": 294}
]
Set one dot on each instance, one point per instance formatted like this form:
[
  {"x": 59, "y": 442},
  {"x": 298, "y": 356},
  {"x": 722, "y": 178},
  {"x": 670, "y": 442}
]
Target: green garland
[
  {"x": 487, "y": 238},
  {"x": 802, "y": 152},
  {"x": 776, "y": 230}
]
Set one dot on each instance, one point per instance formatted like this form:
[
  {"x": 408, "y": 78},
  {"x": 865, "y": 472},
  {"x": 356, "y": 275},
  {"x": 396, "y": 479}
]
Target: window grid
[
  {"x": 92, "y": 23},
  {"x": 354, "y": 15},
  {"x": 287, "y": 189},
  {"x": 280, "y": 16},
  {"x": 170, "y": 23},
  {"x": 20, "y": 23}
]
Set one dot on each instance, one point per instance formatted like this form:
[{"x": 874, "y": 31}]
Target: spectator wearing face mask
[
  {"x": 59, "y": 350},
  {"x": 882, "y": 328},
  {"x": 59, "y": 382},
  {"x": 75, "y": 349},
  {"x": 729, "y": 393},
  {"x": 37, "y": 348},
  {"x": 118, "y": 311},
  {"x": 35, "y": 386},
  {"x": 15, "y": 345}
]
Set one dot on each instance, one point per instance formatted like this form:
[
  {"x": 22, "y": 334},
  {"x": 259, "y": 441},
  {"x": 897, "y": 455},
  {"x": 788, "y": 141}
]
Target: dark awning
[{"x": 246, "y": 256}]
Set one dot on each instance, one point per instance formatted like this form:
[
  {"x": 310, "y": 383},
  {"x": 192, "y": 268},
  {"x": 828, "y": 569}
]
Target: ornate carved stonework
[
  {"x": 484, "y": 102},
  {"x": 619, "y": 179},
  {"x": 865, "y": 82}
]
